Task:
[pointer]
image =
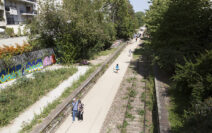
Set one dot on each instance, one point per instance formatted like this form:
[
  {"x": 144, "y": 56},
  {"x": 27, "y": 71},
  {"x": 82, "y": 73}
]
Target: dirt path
[{"x": 100, "y": 97}]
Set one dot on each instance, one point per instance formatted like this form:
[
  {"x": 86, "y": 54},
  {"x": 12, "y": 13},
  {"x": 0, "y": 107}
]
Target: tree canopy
[
  {"x": 79, "y": 28},
  {"x": 180, "y": 35}
]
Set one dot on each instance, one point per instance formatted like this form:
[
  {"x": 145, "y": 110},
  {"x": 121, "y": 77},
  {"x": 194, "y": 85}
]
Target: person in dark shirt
[{"x": 80, "y": 110}]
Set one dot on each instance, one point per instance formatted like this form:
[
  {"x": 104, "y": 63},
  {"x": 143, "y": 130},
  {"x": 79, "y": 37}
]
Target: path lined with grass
[
  {"x": 30, "y": 91},
  {"x": 100, "y": 97}
]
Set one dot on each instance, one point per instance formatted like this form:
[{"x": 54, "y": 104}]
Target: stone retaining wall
[
  {"x": 20, "y": 65},
  {"x": 162, "y": 101}
]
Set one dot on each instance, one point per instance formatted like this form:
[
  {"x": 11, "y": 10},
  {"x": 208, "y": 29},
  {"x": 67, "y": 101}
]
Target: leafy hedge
[
  {"x": 195, "y": 79},
  {"x": 179, "y": 34}
]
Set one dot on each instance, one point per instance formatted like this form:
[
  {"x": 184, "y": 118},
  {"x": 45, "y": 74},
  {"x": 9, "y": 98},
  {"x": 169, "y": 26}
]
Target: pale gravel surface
[
  {"x": 36, "y": 108},
  {"x": 99, "y": 98}
]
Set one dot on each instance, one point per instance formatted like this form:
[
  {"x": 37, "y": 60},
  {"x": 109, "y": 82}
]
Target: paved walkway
[
  {"x": 99, "y": 98},
  {"x": 13, "y": 41},
  {"x": 37, "y": 108}
]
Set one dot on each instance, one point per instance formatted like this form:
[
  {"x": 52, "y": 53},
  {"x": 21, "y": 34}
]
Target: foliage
[
  {"x": 187, "y": 34},
  {"x": 19, "y": 31},
  {"x": 10, "y": 32},
  {"x": 9, "y": 51},
  {"x": 124, "y": 18},
  {"x": 179, "y": 32},
  {"x": 26, "y": 91},
  {"x": 52, "y": 106},
  {"x": 194, "y": 80},
  {"x": 79, "y": 29},
  {"x": 140, "y": 17}
]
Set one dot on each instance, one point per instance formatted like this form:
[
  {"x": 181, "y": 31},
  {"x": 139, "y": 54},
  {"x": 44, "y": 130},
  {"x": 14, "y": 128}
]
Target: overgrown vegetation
[
  {"x": 140, "y": 17},
  {"x": 10, "y": 32},
  {"x": 79, "y": 29},
  {"x": 26, "y": 91},
  {"x": 9, "y": 51},
  {"x": 179, "y": 34},
  {"x": 28, "y": 127}
]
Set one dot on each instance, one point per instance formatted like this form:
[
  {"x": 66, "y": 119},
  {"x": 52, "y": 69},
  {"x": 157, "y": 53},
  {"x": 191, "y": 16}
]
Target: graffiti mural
[
  {"x": 49, "y": 60},
  {"x": 29, "y": 67},
  {"x": 10, "y": 74},
  {"x": 33, "y": 66}
]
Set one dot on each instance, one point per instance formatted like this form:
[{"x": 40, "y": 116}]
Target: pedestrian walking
[
  {"x": 130, "y": 52},
  {"x": 80, "y": 110},
  {"x": 74, "y": 109},
  {"x": 117, "y": 68}
]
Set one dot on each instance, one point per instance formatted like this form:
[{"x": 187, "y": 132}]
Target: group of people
[{"x": 77, "y": 109}]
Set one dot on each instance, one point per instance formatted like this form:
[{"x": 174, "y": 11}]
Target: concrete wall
[
  {"x": 26, "y": 63},
  {"x": 16, "y": 27}
]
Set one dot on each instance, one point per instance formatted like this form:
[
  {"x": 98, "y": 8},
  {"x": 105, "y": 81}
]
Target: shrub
[
  {"x": 194, "y": 79},
  {"x": 19, "y": 31},
  {"x": 10, "y": 32},
  {"x": 8, "y": 51}
]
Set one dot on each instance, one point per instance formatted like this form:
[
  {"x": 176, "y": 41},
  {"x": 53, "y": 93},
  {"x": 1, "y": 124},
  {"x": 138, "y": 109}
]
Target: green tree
[{"x": 140, "y": 17}]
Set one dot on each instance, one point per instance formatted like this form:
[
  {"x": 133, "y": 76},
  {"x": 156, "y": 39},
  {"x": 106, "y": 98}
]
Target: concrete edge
[
  {"x": 61, "y": 107},
  {"x": 164, "y": 127},
  {"x": 158, "y": 103}
]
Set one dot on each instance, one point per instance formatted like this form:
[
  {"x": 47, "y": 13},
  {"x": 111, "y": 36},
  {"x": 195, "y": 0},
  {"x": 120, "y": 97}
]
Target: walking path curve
[
  {"x": 99, "y": 99},
  {"x": 37, "y": 107}
]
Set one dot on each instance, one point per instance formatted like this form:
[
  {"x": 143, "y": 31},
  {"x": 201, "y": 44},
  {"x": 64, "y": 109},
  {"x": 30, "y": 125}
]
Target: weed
[
  {"x": 132, "y": 93},
  {"x": 129, "y": 107},
  {"x": 128, "y": 115},
  {"x": 126, "y": 97},
  {"x": 125, "y": 124},
  {"x": 143, "y": 97},
  {"x": 52, "y": 106},
  {"x": 141, "y": 112},
  {"x": 27, "y": 91}
]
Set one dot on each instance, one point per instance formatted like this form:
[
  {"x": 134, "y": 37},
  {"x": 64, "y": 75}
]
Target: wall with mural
[{"x": 7, "y": 74}]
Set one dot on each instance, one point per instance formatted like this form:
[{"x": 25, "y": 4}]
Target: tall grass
[
  {"x": 26, "y": 91},
  {"x": 28, "y": 127}
]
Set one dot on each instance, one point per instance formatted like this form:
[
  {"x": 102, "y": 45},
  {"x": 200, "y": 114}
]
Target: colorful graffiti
[
  {"x": 10, "y": 74},
  {"x": 33, "y": 66},
  {"x": 49, "y": 60},
  {"x": 20, "y": 70}
]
